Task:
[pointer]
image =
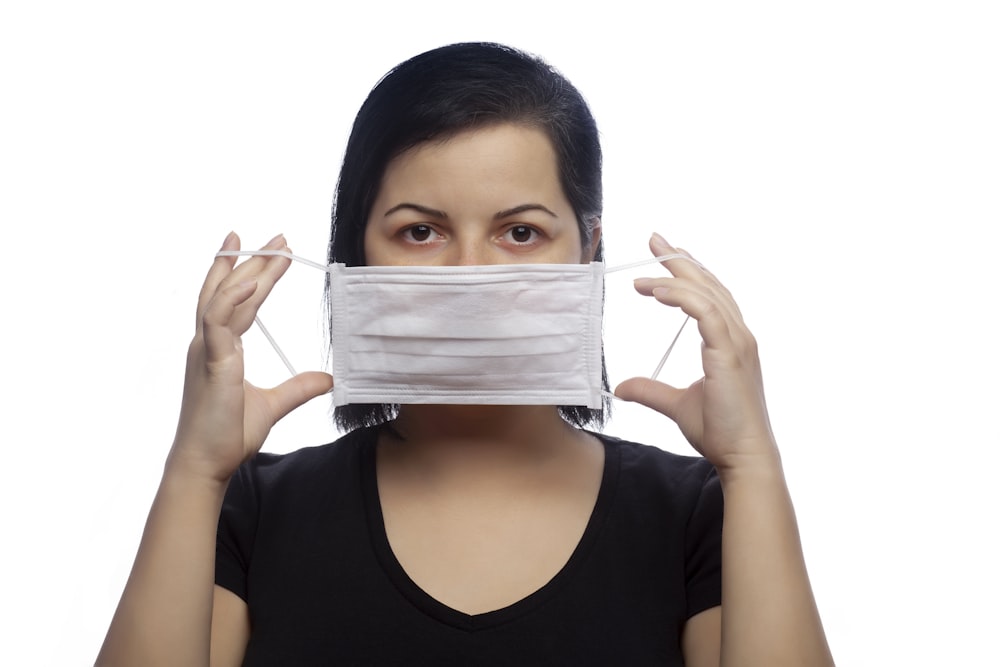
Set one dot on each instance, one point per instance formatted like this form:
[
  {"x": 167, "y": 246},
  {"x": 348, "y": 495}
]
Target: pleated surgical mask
[
  {"x": 484, "y": 335},
  {"x": 498, "y": 334}
]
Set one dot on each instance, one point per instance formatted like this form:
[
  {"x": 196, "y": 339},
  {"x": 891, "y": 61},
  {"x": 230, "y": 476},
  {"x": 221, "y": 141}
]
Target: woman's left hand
[{"x": 723, "y": 415}]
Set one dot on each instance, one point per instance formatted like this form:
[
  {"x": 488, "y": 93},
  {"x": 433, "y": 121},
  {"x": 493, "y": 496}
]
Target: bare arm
[
  {"x": 171, "y": 613},
  {"x": 230, "y": 628},
  {"x": 165, "y": 613},
  {"x": 768, "y": 616}
]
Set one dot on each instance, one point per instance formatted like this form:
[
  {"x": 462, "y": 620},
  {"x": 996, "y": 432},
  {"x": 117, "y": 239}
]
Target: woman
[{"x": 468, "y": 534}]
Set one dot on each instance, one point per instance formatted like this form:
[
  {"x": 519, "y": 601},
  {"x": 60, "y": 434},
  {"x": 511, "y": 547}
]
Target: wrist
[
  {"x": 185, "y": 470},
  {"x": 762, "y": 466}
]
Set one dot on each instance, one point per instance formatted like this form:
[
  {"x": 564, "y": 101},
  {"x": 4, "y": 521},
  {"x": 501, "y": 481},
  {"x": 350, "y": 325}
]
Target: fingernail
[
  {"x": 276, "y": 242},
  {"x": 659, "y": 242},
  {"x": 642, "y": 282},
  {"x": 229, "y": 237}
]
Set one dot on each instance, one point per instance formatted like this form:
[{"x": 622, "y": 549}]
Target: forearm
[
  {"x": 769, "y": 613},
  {"x": 165, "y": 613}
]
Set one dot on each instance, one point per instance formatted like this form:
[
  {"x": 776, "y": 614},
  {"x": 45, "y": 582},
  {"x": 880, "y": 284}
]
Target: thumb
[
  {"x": 298, "y": 390},
  {"x": 653, "y": 394}
]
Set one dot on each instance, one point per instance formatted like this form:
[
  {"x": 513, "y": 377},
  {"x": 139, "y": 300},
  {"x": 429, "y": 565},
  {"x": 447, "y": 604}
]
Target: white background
[{"x": 836, "y": 164}]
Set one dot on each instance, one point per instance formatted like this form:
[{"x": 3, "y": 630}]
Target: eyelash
[
  {"x": 532, "y": 230},
  {"x": 536, "y": 234},
  {"x": 408, "y": 231}
]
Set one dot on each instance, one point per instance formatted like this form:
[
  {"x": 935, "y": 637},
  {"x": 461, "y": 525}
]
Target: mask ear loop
[
  {"x": 325, "y": 268},
  {"x": 272, "y": 253},
  {"x": 274, "y": 344},
  {"x": 643, "y": 262},
  {"x": 256, "y": 319},
  {"x": 659, "y": 366}
]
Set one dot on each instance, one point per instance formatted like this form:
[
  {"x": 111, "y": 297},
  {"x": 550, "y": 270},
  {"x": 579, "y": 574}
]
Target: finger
[
  {"x": 298, "y": 390},
  {"x": 646, "y": 285},
  {"x": 692, "y": 269},
  {"x": 714, "y": 293},
  {"x": 221, "y": 339},
  {"x": 265, "y": 271},
  {"x": 266, "y": 278},
  {"x": 221, "y": 267},
  {"x": 713, "y": 320},
  {"x": 713, "y": 278},
  {"x": 682, "y": 268},
  {"x": 653, "y": 394},
  {"x": 222, "y": 273},
  {"x": 255, "y": 265},
  {"x": 705, "y": 271}
]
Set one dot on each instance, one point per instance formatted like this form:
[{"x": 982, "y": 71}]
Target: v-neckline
[{"x": 453, "y": 617}]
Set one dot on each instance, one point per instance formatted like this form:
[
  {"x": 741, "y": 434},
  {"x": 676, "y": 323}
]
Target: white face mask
[
  {"x": 503, "y": 334},
  {"x": 484, "y": 335}
]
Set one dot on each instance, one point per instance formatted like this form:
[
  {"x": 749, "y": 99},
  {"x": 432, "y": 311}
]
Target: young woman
[{"x": 454, "y": 534}]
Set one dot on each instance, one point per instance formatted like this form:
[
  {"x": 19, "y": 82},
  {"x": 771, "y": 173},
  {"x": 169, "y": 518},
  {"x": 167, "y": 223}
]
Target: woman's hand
[
  {"x": 723, "y": 415},
  {"x": 225, "y": 419}
]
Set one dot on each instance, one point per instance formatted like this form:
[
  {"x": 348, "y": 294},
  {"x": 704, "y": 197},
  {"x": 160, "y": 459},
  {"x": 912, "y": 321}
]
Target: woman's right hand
[{"x": 225, "y": 419}]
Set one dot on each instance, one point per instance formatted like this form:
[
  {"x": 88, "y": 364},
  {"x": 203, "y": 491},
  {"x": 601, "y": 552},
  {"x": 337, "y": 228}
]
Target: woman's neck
[
  {"x": 484, "y": 446},
  {"x": 523, "y": 428}
]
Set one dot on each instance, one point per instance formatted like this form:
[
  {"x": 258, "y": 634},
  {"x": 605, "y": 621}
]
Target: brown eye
[
  {"x": 522, "y": 234},
  {"x": 419, "y": 233}
]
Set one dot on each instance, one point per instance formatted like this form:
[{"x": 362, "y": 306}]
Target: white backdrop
[{"x": 836, "y": 164}]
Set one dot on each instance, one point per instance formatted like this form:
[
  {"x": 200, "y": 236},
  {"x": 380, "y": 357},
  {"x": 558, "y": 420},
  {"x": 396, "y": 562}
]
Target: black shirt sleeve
[
  {"x": 703, "y": 548},
  {"x": 237, "y": 531}
]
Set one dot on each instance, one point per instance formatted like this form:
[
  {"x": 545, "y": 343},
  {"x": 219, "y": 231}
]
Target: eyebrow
[
  {"x": 521, "y": 209},
  {"x": 434, "y": 213},
  {"x": 441, "y": 215}
]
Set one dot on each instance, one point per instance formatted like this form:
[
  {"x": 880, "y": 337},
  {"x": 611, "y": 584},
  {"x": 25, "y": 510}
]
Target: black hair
[{"x": 438, "y": 94}]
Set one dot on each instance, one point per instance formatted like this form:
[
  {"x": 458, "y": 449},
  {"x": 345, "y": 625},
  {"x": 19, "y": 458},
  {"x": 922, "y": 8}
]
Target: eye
[
  {"x": 419, "y": 234},
  {"x": 522, "y": 234}
]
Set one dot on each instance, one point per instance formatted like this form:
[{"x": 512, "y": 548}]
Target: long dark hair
[{"x": 440, "y": 93}]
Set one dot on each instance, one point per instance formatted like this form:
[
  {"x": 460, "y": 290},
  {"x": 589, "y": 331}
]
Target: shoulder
[
  {"x": 661, "y": 487},
  {"x": 306, "y": 467},
  {"x": 657, "y": 466}
]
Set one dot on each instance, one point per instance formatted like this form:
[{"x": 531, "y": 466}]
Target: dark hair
[{"x": 441, "y": 93}]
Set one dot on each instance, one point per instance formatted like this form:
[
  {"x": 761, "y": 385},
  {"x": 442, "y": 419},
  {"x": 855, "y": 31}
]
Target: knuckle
[
  {"x": 710, "y": 310},
  {"x": 747, "y": 345},
  {"x": 195, "y": 348}
]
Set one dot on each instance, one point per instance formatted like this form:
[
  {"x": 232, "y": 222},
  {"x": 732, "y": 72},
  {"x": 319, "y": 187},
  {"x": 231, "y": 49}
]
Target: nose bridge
[{"x": 471, "y": 250}]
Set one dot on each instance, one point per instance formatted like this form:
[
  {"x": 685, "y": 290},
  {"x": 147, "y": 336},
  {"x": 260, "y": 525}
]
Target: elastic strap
[
  {"x": 274, "y": 344},
  {"x": 643, "y": 262},
  {"x": 652, "y": 260},
  {"x": 272, "y": 253},
  {"x": 326, "y": 269}
]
